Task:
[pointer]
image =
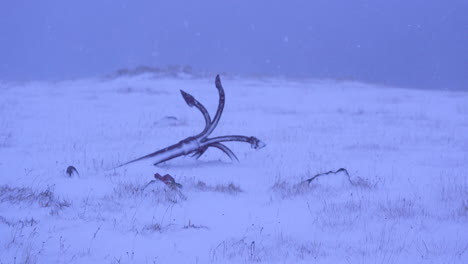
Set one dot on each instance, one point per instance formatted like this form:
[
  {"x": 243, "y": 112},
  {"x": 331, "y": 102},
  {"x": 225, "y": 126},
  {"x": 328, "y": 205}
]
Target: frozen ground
[{"x": 406, "y": 152}]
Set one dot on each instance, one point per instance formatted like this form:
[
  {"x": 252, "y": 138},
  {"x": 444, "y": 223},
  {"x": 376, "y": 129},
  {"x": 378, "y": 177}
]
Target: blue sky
[{"x": 422, "y": 44}]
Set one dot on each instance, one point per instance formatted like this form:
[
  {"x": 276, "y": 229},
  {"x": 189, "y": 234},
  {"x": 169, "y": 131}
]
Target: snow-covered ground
[{"x": 406, "y": 200}]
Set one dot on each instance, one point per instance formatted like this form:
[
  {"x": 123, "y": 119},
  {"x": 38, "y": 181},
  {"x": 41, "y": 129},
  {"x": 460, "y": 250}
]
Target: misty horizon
[{"x": 421, "y": 44}]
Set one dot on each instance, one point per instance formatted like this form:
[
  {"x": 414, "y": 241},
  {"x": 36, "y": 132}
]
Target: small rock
[{"x": 71, "y": 171}]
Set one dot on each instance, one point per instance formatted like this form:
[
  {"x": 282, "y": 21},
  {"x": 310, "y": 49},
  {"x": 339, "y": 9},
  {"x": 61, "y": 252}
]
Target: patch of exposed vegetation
[
  {"x": 44, "y": 199},
  {"x": 287, "y": 190},
  {"x": 21, "y": 223},
  {"x": 156, "y": 191},
  {"x": 265, "y": 249},
  {"x": 229, "y": 188},
  {"x": 190, "y": 225}
]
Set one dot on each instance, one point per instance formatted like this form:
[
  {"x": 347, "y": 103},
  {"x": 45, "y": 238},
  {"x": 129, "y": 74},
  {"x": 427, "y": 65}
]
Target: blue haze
[{"x": 415, "y": 43}]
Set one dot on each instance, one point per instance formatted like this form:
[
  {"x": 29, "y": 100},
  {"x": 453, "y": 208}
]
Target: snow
[{"x": 406, "y": 152}]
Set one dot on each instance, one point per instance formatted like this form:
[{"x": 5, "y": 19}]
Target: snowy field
[{"x": 405, "y": 201}]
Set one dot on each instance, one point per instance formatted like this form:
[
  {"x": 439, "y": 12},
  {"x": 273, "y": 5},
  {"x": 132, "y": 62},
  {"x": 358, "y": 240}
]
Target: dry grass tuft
[
  {"x": 45, "y": 198},
  {"x": 230, "y": 188},
  {"x": 265, "y": 249}
]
